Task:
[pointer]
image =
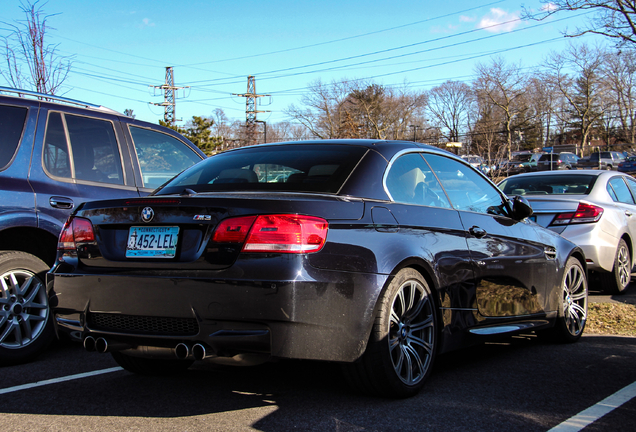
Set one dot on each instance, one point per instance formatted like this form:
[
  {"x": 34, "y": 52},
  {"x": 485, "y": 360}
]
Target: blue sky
[{"x": 121, "y": 48}]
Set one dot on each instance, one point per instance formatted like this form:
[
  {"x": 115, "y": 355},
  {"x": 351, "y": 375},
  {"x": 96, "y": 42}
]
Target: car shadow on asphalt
[
  {"x": 627, "y": 297},
  {"x": 306, "y": 395}
]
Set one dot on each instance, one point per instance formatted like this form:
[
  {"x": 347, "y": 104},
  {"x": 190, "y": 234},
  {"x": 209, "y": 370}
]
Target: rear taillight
[
  {"x": 585, "y": 213},
  {"x": 274, "y": 233},
  {"x": 75, "y": 230}
]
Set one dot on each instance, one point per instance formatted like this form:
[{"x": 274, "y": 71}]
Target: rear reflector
[
  {"x": 233, "y": 230},
  {"x": 274, "y": 233},
  {"x": 75, "y": 230},
  {"x": 585, "y": 213}
]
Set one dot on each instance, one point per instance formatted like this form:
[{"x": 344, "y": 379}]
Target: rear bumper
[
  {"x": 319, "y": 314},
  {"x": 599, "y": 246}
]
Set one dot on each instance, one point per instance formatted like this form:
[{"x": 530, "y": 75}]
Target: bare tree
[
  {"x": 26, "y": 47},
  {"x": 612, "y": 18},
  {"x": 323, "y": 114},
  {"x": 358, "y": 109},
  {"x": 502, "y": 85},
  {"x": 384, "y": 112},
  {"x": 576, "y": 74},
  {"x": 449, "y": 104},
  {"x": 620, "y": 74}
]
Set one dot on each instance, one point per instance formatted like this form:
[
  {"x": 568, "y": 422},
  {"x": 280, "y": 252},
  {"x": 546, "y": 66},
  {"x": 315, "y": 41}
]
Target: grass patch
[{"x": 611, "y": 319}]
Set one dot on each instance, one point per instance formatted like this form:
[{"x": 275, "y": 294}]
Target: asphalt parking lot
[{"x": 518, "y": 384}]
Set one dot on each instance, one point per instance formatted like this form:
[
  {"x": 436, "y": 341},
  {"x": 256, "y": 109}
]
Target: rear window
[
  {"x": 11, "y": 125},
  {"x": 549, "y": 185},
  {"x": 296, "y": 168}
]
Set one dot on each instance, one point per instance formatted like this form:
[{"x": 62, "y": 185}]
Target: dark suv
[{"x": 56, "y": 153}]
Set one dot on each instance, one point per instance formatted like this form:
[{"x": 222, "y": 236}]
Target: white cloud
[
  {"x": 146, "y": 22},
  {"x": 499, "y": 21},
  {"x": 550, "y": 7},
  {"x": 464, "y": 18}
]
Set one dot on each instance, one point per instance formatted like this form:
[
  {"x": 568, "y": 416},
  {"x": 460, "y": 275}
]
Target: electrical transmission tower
[
  {"x": 250, "y": 109},
  {"x": 169, "y": 98}
]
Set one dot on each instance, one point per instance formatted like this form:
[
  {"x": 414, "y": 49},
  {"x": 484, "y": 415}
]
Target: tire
[
  {"x": 403, "y": 342},
  {"x": 616, "y": 281},
  {"x": 150, "y": 367},
  {"x": 26, "y": 326},
  {"x": 572, "y": 313}
]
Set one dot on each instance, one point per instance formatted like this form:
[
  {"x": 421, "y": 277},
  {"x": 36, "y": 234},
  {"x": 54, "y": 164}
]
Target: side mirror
[{"x": 521, "y": 208}]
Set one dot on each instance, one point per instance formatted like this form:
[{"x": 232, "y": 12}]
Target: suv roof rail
[{"x": 59, "y": 99}]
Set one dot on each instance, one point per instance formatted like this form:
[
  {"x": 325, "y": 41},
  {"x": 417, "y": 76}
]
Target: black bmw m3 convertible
[{"x": 375, "y": 254}]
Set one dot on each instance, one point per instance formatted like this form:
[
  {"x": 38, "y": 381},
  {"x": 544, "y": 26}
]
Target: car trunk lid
[{"x": 183, "y": 227}]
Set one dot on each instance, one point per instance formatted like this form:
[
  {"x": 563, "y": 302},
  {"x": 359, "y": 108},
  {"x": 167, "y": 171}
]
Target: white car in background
[{"x": 594, "y": 209}]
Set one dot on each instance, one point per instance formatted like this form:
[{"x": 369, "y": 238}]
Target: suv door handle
[
  {"x": 477, "y": 232},
  {"x": 61, "y": 202}
]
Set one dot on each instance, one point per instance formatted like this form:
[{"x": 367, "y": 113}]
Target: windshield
[
  {"x": 567, "y": 184},
  {"x": 298, "y": 168}
]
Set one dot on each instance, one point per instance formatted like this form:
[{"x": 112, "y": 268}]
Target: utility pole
[
  {"x": 169, "y": 98},
  {"x": 250, "y": 109}
]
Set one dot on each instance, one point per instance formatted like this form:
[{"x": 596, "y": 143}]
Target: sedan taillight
[
  {"x": 585, "y": 213},
  {"x": 274, "y": 233},
  {"x": 75, "y": 230}
]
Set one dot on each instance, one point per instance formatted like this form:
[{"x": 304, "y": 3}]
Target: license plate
[{"x": 152, "y": 242}]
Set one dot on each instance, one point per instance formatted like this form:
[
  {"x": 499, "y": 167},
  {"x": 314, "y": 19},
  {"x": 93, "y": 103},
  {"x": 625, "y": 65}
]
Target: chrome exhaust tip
[
  {"x": 101, "y": 345},
  {"x": 182, "y": 351},
  {"x": 89, "y": 343},
  {"x": 199, "y": 352}
]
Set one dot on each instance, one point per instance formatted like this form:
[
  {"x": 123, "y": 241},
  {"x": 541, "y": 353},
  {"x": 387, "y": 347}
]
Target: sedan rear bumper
[{"x": 598, "y": 245}]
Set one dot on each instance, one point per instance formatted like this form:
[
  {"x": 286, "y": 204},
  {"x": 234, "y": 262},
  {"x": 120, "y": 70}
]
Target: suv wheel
[{"x": 26, "y": 328}]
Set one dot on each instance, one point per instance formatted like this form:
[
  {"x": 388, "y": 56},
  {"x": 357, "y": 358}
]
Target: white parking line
[
  {"x": 593, "y": 413},
  {"x": 59, "y": 380}
]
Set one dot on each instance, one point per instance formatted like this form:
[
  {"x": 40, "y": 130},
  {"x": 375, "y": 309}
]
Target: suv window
[
  {"x": 11, "y": 125},
  {"x": 93, "y": 147},
  {"x": 160, "y": 156}
]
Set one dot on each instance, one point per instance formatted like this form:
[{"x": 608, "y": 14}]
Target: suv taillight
[
  {"x": 75, "y": 230},
  {"x": 274, "y": 233},
  {"x": 585, "y": 213}
]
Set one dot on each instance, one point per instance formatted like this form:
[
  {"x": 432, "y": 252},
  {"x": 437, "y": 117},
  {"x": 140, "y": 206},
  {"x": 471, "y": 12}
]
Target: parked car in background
[
  {"x": 523, "y": 163},
  {"x": 56, "y": 153},
  {"x": 592, "y": 208},
  {"x": 557, "y": 161},
  {"x": 628, "y": 165},
  {"x": 608, "y": 160},
  {"x": 478, "y": 162},
  {"x": 378, "y": 255}
]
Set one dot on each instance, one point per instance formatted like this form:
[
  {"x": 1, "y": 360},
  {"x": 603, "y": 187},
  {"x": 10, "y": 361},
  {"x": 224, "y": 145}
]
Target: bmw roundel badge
[{"x": 147, "y": 214}]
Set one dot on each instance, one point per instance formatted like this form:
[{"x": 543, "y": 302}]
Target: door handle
[
  {"x": 61, "y": 202},
  {"x": 628, "y": 213},
  {"x": 477, "y": 232}
]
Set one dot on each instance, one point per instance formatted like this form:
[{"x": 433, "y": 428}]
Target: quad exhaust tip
[
  {"x": 89, "y": 343},
  {"x": 182, "y": 351},
  {"x": 199, "y": 352}
]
